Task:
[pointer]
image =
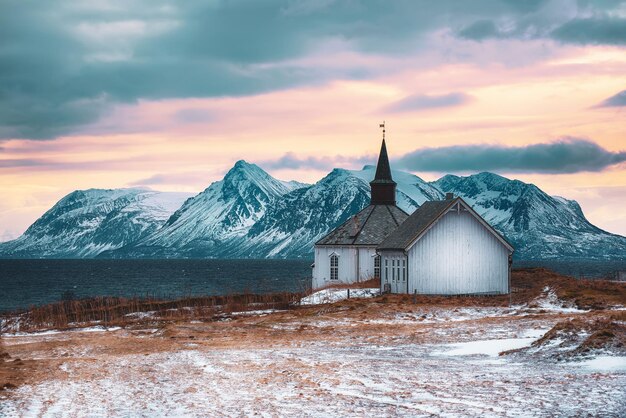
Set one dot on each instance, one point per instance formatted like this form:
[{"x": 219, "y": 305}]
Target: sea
[{"x": 25, "y": 283}]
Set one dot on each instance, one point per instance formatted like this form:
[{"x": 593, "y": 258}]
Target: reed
[{"x": 119, "y": 311}]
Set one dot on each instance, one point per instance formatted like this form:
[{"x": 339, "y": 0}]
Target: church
[{"x": 443, "y": 248}]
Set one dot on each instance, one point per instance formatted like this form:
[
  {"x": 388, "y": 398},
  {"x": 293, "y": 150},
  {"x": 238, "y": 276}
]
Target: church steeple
[
  {"x": 383, "y": 170},
  {"x": 383, "y": 187}
]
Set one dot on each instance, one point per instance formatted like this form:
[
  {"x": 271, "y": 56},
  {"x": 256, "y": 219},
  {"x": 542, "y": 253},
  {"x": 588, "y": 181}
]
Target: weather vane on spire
[{"x": 382, "y": 125}]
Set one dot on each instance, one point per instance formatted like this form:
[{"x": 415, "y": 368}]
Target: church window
[{"x": 334, "y": 267}]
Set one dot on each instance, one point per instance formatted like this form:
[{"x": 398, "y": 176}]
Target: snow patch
[
  {"x": 549, "y": 300},
  {"x": 491, "y": 348},
  {"x": 56, "y": 331},
  {"x": 260, "y": 312},
  {"x": 335, "y": 295},
  {"x": 606, "y": 363}
]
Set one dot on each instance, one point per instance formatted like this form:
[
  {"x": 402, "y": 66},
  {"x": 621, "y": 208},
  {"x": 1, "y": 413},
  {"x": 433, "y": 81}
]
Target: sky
[{"x": 169, "y": 94}]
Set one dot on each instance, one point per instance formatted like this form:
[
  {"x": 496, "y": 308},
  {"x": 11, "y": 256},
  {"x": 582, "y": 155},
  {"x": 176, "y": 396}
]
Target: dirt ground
[{"x": 555, "y": 347}]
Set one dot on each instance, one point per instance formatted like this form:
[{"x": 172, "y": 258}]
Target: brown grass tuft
[
  {"x": 117, "y": 311},
  {"x": 528, "y": 283}
]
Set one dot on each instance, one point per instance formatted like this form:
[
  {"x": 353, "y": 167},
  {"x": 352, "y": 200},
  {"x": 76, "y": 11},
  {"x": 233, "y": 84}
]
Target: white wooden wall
[
  {"x": 347, "y": 264},
  {"x": 458, "y": 255}
]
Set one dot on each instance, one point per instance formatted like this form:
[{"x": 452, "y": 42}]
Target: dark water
[{"x": 34, "y": 282}]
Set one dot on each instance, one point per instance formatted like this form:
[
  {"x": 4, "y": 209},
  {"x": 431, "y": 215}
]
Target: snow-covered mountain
[
  {"x": 86, "y": 222},
  {"x": 251, "y": 214},
  {"x": 289, "y": 228},
  {"x": 215, "y": 219},
  {"x": 539, "y": 226}
]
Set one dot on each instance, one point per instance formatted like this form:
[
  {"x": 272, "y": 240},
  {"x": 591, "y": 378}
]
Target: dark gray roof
[
  {"x": 368, "y": 227},
  {"x": 422, "y": 218},
  {"x": 415, "y": 224}
]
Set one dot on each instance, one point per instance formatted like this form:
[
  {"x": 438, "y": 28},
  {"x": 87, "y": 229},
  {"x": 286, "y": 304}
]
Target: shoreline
[{"x": 442, "y": 356}]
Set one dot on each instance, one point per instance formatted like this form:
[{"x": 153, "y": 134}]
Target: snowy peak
[
  {"x": 223, "y": 212},
  {"x": 86, "y": 222},
  {"x": 539, "y": 225},
  {"x": 249, "y": 180}
]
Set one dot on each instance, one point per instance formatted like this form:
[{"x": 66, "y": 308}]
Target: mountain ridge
[{"x": 250, "y": 214}]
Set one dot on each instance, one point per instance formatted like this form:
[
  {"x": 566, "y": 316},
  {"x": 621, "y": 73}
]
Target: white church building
[{"x": 443, "y": 248}]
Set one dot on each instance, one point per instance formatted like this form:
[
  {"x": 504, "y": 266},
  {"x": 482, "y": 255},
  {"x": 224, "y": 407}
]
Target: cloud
[
  {"x": 187, "y": 178},
  {"x": 191, "y": 115},
  {"x": 618, "y": 100},
  {"x": 418, "y": 102},
  {"x": 51, "y": 164},
  {"x": 568, "y": 155},
  {"x": 292, "y": 161},
  {"x": 20, "y": 162},
  {"x": 479, "y": 30},
  {"x": 598, "y": 31},
  {"x": 8, "y": 235},
  {"x": 64, "y": 64}
]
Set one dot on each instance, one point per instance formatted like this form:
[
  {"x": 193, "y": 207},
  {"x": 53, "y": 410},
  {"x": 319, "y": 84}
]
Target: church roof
[
  {"x": 383, "y": 169},
  {"x": 368, "y": 227},
  {"x": 423, "y": 217},
  {"x": 415, "y": 224}
]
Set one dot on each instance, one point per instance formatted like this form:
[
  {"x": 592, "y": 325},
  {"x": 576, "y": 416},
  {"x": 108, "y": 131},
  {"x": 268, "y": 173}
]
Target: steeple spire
[
  {"x": 383, "y": 170},
  {"x": 383, "y": 187}
]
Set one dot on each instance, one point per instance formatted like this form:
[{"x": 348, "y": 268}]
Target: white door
[{"x": 398, "y": 274}]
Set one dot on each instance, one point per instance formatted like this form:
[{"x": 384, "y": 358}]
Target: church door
[{"x": 398, "y": 274}]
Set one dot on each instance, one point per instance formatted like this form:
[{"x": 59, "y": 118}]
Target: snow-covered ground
[
  {"x": 335, "y": 295},
  {"x": 448, "y": 366},
  {"x": 97, "y": 328},
  {"x": 550, "y": 301},
  {"x": 493, "y": 347},
  {"x": 319, "y": 381}
]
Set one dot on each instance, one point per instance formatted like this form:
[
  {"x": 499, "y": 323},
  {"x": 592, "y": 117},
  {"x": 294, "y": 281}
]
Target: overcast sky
[{"x": 169, "y": 95}]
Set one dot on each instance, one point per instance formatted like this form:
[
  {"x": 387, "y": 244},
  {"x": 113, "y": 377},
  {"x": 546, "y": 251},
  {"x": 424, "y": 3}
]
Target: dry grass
[
  {"x": 177, "y": 327},
  {"x": 527, "y": 284},
  {"x": 116, "y": 311},
  {"x": 13, "y": 371},
  {"x": 582, "y": 335},
  {"x": 608, "y": 333},
  {"x": 585, "y": 294},
  {"x": 365, "y": 284}
]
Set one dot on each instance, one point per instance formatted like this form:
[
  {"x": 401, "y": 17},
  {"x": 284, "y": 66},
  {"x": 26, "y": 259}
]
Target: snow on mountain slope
[
  {"x": 411, "y": 191},
  {"x": 209, "y": 221},
  {"x": 290, "y": 228},
  {"x": 86, "y": 222},
  {"x": 539, "y": 226}
]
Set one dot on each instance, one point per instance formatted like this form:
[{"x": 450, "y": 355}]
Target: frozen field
[{"x": 343, "y": 362}]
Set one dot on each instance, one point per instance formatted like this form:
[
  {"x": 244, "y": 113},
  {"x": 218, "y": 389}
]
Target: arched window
[
  {"x": 334, "y": 267},
  {"x": 377, "y": 267}
]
